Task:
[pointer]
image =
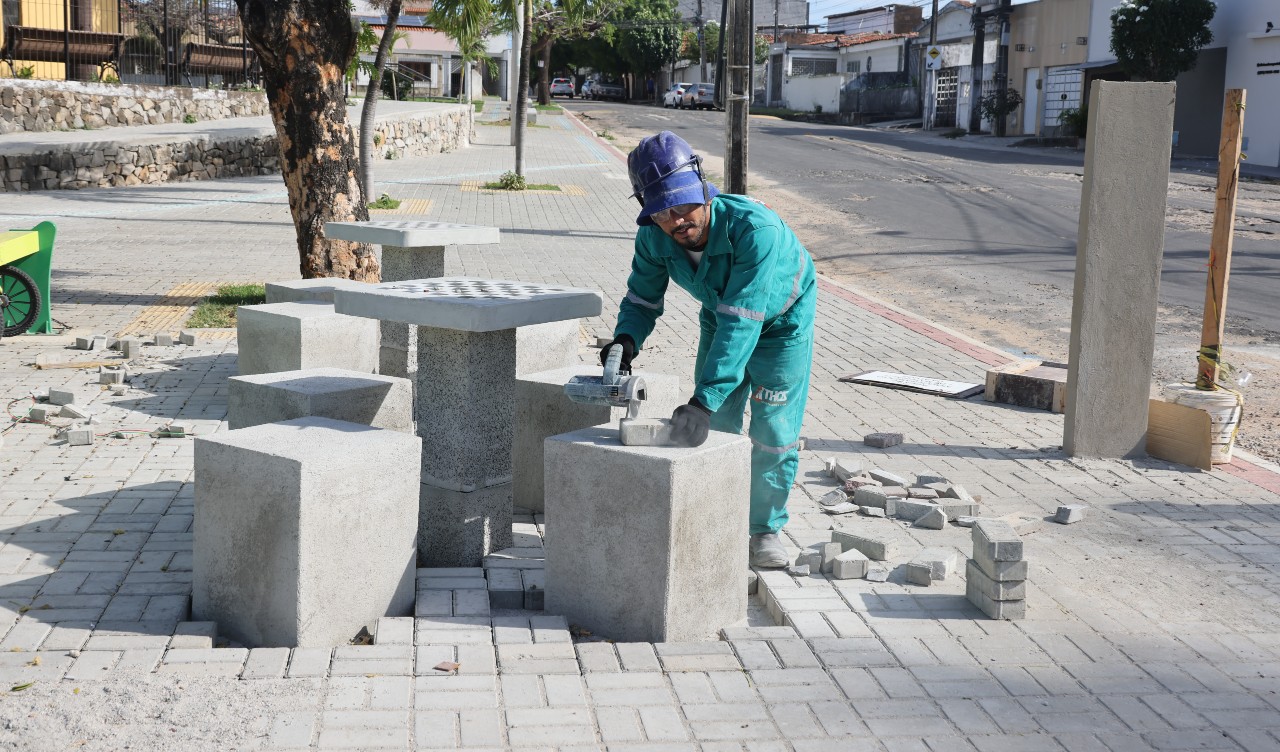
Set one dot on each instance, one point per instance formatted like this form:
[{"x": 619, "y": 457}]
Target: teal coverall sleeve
[
  {"x": 740, "y": 315},
  {"x": 646, "y": 288}
]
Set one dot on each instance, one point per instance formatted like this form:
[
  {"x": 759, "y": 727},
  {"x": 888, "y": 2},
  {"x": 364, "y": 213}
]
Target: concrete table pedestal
[
  {"x": 647, "y": 544},
  {"x": 411, "y": 249},
  {"x": 464, "y": 401}
]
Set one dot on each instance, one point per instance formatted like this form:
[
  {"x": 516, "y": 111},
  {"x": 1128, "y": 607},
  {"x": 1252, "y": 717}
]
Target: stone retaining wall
[
  {"x": 107, "y": 164},
  {"x": 69, "y": 105}
]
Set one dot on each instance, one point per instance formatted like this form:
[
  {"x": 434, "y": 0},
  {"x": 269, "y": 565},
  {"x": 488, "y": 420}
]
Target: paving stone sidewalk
[{"x": 1152, "y": 624}]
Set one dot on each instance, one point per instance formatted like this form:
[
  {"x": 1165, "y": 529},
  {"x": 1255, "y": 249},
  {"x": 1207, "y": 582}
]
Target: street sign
[{"x": 933, "y": 58}]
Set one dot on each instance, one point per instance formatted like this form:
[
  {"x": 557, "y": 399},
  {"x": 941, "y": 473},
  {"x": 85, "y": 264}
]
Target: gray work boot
[{"x": 767, "y": 551}]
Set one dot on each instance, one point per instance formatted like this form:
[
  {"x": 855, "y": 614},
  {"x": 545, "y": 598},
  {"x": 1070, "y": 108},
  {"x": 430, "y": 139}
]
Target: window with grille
[
  {"x": 853, "y": 66},
  {"x": 804, "y": 66}
]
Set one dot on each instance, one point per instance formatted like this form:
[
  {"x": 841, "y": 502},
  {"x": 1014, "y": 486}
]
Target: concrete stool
[
  {"x": 365, "y": 398},
  {"x": 647, "y": 544},
  {"x": 319, "y": 290},
  {"x": 542, "y": 410},
  {"x": 293, "y": 336},
  {"x": 304, "y": 531}
]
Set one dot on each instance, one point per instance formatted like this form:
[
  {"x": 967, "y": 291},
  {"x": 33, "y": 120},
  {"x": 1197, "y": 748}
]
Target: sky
[{"x": 820, "y": 9}]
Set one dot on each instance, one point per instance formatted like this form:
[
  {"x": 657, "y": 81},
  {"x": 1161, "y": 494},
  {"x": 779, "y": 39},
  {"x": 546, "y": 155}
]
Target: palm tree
[{"x": 389, "y": 37}]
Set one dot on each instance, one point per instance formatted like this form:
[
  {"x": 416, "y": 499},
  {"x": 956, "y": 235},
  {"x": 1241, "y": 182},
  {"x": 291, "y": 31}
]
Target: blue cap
[{"x": 664, "y": 173}]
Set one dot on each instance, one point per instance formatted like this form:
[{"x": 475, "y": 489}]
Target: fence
[
  {"x": 166, "y": 42},
  {"x": 879, "y": 96}
]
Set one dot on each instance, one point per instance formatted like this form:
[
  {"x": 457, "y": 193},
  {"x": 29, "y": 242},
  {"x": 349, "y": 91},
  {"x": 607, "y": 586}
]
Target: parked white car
[
  {"x": 562, "y": 87},
  {"x": 671, "y": 97}
]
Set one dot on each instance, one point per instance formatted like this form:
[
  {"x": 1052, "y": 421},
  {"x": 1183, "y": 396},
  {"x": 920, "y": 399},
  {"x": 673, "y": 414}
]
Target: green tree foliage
[
  {"x": 650, "y": 37},
  {"x": 689, "y": 42},
  {"x": 1155, "y": 40}
]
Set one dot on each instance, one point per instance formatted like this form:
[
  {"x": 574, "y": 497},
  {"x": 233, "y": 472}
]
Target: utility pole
[
  {"x": 1002, "y": 64},
  {"x": 739, "y": 59},
  {"x": 702, "y": 47},
  {"x": 975, "y": 68},
  {"x": 931, "y": 77}
]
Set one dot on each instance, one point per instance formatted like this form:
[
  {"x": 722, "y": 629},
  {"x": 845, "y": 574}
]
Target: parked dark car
[{"x": 608, "y": 90}]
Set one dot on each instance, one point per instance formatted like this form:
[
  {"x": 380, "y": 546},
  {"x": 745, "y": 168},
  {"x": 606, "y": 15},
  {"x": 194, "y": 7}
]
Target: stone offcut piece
[
  {"x": 304, "y": 531},
  {"x": 659, "y": 558}
]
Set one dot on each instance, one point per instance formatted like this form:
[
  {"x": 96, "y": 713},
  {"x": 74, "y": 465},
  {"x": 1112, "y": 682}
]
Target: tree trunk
[
  {"x": 544, "y": 74},
  {"x": 522, "y": 95},
  {"x": 305, "y": 47},
  {"x": 371, "y": 95}
]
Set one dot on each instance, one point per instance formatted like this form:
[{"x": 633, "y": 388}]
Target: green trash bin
[{"x": 26, "y": 261}]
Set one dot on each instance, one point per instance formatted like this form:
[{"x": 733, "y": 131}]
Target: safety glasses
[{"x": 680, "y": 210}]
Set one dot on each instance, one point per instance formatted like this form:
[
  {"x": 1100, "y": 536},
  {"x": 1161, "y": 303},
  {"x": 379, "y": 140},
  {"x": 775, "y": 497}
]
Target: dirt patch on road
[{"x": 1031, "y": 320}]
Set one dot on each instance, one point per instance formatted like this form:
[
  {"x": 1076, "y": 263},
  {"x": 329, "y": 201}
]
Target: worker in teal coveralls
[{"x": 758, "y": 291}]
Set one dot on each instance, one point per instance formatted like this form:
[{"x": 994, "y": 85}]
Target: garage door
[
  {"x": 1061, "y": 92},
  {"x": 944, "y": 115}
]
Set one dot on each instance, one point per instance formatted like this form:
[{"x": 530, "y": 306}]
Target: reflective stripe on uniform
[
  {"x": 632, "y": 297},
  {"x": 795, "y": 283},
  {"x": 775, "y": 450},
  {"x": 745, "y": 313}
]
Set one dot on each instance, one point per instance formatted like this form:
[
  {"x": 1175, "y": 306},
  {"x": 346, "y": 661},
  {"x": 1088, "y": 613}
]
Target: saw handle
[{"x": 612, "y": 365}]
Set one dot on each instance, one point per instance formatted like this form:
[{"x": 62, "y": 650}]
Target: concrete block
[
  {"x": 899, "y": 492},
  {"x": 194, "y": 635},
  {"x": 1117, "y": 278},
  {"x": 89, "y": 343},
  {"x": 882, "y": 440},
  {"x": 111, "y": 377},
  {"x": 912, "y": 510},
  {"x": 955, "y": 509},
  {"x": 119, "y": 389},
  {"x": 870, "y": 496},
  {"x": 800, "y": 570},
  {"x": 850, "y": 565},
  {"x": 965, "y": 520},
  {"x": 61, "y": 397},
  {"x": 1001, "y": 571},
  {"x": 318, "y": 290},
  {"x": 542, "y": 410},
  {"x": 878, "y": 574},
  {"x": 645, "y": 432},
  {"x": 131, "y": 348},
  {"x": 365, "y": 398},
  {"x": 934, "y": 519},
  {"x": 79, "y": 436},
  {"x": 939, "y": 561},
  {"x": 660, "y": 557},
  {"x": 922, "y": 493},
  {"x": 996, "y": 540},
  {"x": 506, "y": 590},
  {"x": 833, "y": 498},
  {"x": 73, "y": 411},
  {"x": 871, "y": 512},
  {"x": 295, "y": 336},
  {"x": 996, "y": 590},
  {"x": 550, "y": 346},
  {"x": 189, "y": 338},
  {"x": 886, "y": 477},
  {"x": 873, "y": 548},
  {"x": 923, "y": 480},
  {"x": 1069, "y": 513},
  {"x": 535, "y": 589},
  {"x": 411, "y": 234},
  {"x": 842, "y": 470},
  {"x": 1010, "y": 610},
  {"x": 810, "y": 559},
  {"x": 919, "y": 573},
  {"x": 304, "y": 531},
  {"x": 958, "y": 492},
  {"x": 41, "y": 413},
  {"x": 163, "y": 339},
  {"x": 753, "y": 582}
]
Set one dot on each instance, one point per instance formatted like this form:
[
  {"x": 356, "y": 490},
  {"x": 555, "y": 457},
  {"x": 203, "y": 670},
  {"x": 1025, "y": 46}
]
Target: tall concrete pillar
[{"x": 1118, "y": 257}]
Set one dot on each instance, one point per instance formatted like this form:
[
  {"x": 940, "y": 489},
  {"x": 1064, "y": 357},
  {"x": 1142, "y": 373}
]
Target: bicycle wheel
[{"x": 19, "y": 300}]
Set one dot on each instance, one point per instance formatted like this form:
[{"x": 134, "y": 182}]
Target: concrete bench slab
[
  {"x": 294, "y": 336},
  {"x": 365, "y": 398},
  {"x": 318, "y": 290},
  {"x": 658, "y": 555},
  {"x": 412, "y": 233},
  {"x": 469, "y": 304},
  {"x": 303, "y": 531}
]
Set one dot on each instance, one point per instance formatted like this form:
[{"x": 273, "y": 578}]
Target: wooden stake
[{"x": 1224, "y": 219}]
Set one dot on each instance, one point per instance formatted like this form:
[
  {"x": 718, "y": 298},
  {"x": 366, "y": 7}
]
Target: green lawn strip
[
  {"x": 385, "y": 202},
  {"x": 218, "y": 311}
]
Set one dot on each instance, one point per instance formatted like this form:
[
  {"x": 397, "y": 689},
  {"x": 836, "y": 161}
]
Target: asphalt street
[{"x": 992, "y": 221}]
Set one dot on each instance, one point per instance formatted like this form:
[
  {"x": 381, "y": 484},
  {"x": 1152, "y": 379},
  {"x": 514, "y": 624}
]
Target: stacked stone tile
[
  {"x": 930, "y": 501},
  {"x": 996, "y": 576}
]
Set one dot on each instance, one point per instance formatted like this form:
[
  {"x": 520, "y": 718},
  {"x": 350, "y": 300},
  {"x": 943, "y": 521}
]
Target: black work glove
[
  {"x": 628, "y": 351},
  {"x": 691, "y": 423}
]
